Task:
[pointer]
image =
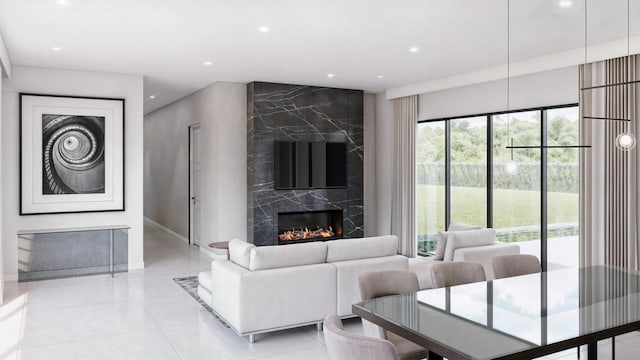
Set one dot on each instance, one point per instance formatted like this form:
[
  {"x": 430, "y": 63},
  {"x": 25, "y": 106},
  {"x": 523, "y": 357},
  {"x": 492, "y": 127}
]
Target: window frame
[{"x": 543, "y": 170}]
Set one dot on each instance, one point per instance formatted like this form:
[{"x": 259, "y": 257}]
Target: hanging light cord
[{"x": 509, "y": 73}]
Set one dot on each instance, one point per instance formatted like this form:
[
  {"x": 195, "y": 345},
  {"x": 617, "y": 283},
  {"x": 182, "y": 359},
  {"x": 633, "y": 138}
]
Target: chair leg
[{"x": 319, "y": 326}]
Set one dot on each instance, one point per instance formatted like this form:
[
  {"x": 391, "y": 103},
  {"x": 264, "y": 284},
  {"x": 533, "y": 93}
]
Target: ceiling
[{"x": 363, "y": 43}]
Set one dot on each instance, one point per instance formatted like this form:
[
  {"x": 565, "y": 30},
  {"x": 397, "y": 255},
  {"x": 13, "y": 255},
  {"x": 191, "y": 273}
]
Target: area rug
[{"x": 190, "y": 285}]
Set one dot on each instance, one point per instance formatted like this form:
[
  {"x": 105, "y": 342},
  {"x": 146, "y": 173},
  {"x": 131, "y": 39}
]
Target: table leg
[
  {"x": 592, "y": 351},
  {"x": 111, "y": 252},
  {"x": 434, "y": 356}
]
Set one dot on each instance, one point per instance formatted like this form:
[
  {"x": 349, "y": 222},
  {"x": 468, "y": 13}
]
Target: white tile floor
[{"x": 145, "y": 315}]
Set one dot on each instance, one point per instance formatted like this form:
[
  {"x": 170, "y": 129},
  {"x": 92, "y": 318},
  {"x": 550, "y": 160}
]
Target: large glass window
[
  {"x": 528, "y": 194},
  {"x": 430, "y": 205},
  {"x": 517, "y": 182},
  {"x": 469, "y": 170},
  {"x": 562, "y": 187}
]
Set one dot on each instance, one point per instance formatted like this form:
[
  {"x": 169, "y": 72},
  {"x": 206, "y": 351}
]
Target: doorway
[{"x": 194, "y": 184}]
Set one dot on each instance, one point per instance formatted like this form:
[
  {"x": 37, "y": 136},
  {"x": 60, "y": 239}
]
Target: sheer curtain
[
  {"x": 609, "y": 182},
  {"x": 403, "y": 203}
]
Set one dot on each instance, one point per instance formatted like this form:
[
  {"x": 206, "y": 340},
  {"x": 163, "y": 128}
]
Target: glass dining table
[{"x": 522, "y": 317}]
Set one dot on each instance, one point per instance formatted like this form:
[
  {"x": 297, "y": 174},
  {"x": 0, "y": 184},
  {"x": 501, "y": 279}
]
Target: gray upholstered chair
[
  {"x": 391, "y": 282},
  {"x": 515, "y": 265},
  {"x": 452, "y": 273},
  {"x": 343, "y": 345}
]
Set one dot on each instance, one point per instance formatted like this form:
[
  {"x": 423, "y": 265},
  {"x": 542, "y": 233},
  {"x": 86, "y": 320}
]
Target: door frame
[{"x": 191, "y": 130}]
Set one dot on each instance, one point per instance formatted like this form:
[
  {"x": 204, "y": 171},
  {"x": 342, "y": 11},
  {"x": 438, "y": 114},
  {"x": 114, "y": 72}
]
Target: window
[
  {"x": 465, "y": 174},
  {"x": 431, "y": 183}
]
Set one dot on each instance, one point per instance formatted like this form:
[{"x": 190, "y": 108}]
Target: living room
[{"x": 221, "y": 179}]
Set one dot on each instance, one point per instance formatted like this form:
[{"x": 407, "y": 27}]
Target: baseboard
[
  {"x": 205, "y": 250},
  {"x": 167, "y": 230},
  {"x": 136, "y": 266}
]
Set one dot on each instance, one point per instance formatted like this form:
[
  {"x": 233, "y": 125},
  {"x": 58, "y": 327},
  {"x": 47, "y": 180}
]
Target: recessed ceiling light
[
  {"x": 56, "y": 48},
  {"x": 565, "y": 4},
  {"x": 63, "y": 2},
  {"x": 152, "y": 96},
  {"x": 380, "y": 76},
  {"x": 330, "y": 75},
  {"x": 414, "y": 49},
  {"x": 207, "y": 63},
  {"x": 264, "y": 28}
]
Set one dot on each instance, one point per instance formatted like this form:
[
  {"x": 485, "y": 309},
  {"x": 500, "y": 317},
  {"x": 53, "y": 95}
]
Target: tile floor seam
[
  {"x": 288, "y": 352},
  {"x": 22, "y": 320},
  {"x": 83, "y": 339},
  {"x": 154, "y": 321}
]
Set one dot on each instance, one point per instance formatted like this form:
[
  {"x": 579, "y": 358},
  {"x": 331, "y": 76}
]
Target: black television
[{"x": 310, "y": 165}]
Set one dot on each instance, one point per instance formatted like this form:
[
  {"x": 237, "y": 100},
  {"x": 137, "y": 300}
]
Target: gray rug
[{"x": 190, "y": 285}]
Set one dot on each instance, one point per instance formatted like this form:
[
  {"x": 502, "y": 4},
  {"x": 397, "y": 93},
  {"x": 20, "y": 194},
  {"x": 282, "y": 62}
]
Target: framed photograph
[{"x": 71, "y": 154}]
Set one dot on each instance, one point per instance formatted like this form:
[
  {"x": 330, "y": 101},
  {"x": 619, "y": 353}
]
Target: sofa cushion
[
  {"x": 280, "y": 256},
  {"x": 347, "y": 273},
  {"x": 362, "y": 248},
  {"x": 239, "y": 252},
  {"x": 442, "y": 237},
  {"x": 469, "y": 238}
]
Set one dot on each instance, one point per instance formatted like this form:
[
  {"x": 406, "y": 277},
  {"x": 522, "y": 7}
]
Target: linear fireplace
[{"x": 306, "y": 226}]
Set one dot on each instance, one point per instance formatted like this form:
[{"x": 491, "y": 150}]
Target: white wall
[
  {"x": 384, "y": 163},
  {"x": 370, "y": 206},
  {"x": 221, "y": 110},
  {"x": 80, "y": 83},
  {"x": 5, "y": 69},
  {"x": 1, "y": 174},
  {"x": 555, "y": 87}
]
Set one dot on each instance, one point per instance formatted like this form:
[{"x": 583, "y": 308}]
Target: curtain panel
[
  {"x": 403, "y": 203},
  {"x": 608, "y": 176}
]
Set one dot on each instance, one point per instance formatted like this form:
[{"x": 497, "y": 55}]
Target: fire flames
[{"x": 305, "y": 233}]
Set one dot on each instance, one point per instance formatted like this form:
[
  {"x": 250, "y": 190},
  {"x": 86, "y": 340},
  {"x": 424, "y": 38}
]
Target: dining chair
[
  {"x": 343, "y": 345},
  {"x": 515, "y": 265},
  {"x": 390, "y": 282},
  {"x": 452, "y": 273}
]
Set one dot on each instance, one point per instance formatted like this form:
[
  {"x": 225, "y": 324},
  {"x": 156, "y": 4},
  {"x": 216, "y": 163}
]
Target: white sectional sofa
[{"x": 267, "y": 288}]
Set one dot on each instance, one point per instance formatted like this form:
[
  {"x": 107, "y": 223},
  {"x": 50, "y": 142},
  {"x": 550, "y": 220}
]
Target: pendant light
[{"x": 626, "y": 141}]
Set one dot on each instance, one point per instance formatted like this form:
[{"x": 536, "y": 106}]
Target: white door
[{"x": 194, "y": 187}]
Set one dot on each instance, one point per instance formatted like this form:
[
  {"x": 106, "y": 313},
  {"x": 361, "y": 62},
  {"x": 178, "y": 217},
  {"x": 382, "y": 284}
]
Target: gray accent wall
[
  {"x": 281, "y": 112},
  {"x": 221, "y": 111}
]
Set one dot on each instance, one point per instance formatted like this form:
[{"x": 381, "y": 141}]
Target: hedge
[{"x": 561, "y": 177}]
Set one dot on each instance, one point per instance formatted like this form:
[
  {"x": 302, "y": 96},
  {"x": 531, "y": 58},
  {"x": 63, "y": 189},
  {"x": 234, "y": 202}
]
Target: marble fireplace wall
[{"x": 281, "y": 112}]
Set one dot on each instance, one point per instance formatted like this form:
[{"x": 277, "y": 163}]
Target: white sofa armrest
[
  {"x": 484, "y": 255},
  {"x": 258, "y": 301}
]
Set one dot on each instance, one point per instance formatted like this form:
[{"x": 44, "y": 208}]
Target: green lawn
[{"x": 512, "y": 208}]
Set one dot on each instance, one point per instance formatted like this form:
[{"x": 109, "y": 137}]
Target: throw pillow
[
  {"x": 442, "y": 238},
  {"x": 462, "y": 227},
  {"x": 469, "y": 238},
  {"x": 442, "y": 245},
  {"x": 239, "y": 252}
]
